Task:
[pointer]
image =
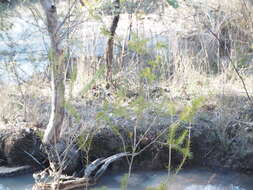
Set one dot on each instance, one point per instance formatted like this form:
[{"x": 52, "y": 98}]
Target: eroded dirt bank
[{"x": 211, "y": 145}]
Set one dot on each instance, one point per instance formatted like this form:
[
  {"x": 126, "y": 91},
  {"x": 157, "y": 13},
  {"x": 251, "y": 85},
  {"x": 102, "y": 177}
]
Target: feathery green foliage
[
  {"x": 189, "y": 111},
  {"x": 100, "y": 188},
  {"x": 162, "y": 186},
  {"x": 84, "y": 141},
  {"x": 124, "y": 182},
  {"x": 72, "y": 111},
  {"x": 138, "y": 45}
]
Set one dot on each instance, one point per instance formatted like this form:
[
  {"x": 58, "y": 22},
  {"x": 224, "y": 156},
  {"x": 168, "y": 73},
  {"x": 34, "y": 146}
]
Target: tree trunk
[
  {"x": 53, "y": 130},
  {"x": 110, "y": 42}
]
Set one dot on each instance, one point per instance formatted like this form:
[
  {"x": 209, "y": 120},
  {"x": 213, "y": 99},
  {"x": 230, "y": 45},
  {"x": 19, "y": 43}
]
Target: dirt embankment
[{"x": 211, "y": 145}]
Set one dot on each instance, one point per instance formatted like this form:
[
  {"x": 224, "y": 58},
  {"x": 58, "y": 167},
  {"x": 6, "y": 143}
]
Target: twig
[
  {"x": 38, "y": 162},
  {"x": 234, "y": 67}
]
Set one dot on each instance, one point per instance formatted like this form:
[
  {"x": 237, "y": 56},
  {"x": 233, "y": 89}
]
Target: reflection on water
[
  {"x": 193, "y": 179},
  {"x": 17, "y": 183},
  {"x": 213, "y": 187}
]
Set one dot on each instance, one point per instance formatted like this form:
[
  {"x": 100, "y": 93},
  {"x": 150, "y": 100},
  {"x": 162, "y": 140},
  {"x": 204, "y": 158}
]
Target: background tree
[{"x": 110, "y": 42}]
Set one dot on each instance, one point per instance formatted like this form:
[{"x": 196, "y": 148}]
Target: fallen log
[
  {"x": 14, "y": 171},
  {"x": 48, "y": 180},
  {"x": 64, "y": 183}
]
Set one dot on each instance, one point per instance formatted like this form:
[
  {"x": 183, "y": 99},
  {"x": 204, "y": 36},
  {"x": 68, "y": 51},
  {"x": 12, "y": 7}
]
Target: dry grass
[{"x": 192, "y": 64}]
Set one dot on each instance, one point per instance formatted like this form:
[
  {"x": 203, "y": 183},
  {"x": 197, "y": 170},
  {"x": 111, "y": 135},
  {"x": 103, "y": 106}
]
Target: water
[
  {"x": 17, "y": 183},
  {"x": 26, "y": 43},
  {"x": 193, "y": 179}
]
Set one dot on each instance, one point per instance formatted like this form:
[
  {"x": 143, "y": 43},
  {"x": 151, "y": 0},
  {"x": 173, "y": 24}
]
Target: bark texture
[
  {"x": 110, "y": 42},
  {"x": 53, "y": 130}
]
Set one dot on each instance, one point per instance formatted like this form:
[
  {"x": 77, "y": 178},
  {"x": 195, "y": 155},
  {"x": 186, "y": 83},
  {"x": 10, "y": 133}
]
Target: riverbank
[
  {"x": 211, "y": 145},
  {"x": 180, "y": 94}
]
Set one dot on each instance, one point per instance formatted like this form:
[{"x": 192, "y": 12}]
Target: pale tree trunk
[
  {"x": 110, "y": 42},
  {"x": 53, "y": 129}
]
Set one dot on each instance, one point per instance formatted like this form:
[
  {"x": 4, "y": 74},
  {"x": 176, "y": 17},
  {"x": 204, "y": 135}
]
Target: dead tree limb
[
  {"x": 234, "y": 67},
  {"x": 46, "y": 180}
]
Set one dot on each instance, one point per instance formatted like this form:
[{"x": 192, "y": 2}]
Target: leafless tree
[{"x": 52, "y": 132}]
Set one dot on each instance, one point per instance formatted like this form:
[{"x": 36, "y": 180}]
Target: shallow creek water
[{"x": 192, "y": 179}]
